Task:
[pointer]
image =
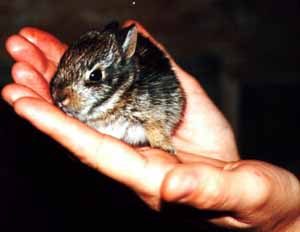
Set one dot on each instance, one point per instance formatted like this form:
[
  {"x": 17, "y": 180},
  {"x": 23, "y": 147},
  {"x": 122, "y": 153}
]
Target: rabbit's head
[{"x": 95, "y": 71}]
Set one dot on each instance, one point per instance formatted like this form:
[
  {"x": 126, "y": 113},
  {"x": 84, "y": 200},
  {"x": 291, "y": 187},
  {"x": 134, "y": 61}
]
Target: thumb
[{"x": 204, "y": 186}]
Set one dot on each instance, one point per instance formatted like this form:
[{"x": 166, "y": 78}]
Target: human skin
[{"x": 206, "y": 173}]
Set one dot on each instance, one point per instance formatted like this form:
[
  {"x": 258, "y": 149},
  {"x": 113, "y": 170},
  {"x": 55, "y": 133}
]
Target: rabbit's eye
[{"x": 96, "y": 75}]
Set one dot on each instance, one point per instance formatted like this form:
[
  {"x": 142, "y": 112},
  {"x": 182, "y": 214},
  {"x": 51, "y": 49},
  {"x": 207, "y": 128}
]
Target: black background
[{"x": 43, "y": 188}]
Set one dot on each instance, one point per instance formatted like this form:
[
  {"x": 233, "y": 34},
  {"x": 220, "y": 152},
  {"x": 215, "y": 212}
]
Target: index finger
[
  {"x": 47, "y": 43},
  {"x": 101, "y": 152}
]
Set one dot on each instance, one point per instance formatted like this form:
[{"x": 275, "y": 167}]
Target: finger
[
  {"x": 47, "y": 43},
  {"x": 104, "y": 153},
  {"x": 24, "y": 51},
  {"x": 204, "y": 187},
  {"x": 25, "y": 74},
  {"x": 230, "y": 188},
  {"x": 13, "y": 92}
]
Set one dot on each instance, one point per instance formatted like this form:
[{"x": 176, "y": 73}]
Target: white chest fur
[{"x": 132, "y": 133}]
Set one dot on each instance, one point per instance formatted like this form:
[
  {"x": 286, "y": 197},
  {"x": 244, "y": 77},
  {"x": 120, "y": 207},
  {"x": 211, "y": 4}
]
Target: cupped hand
[
  {"x": 37, "y": 53},
  {"x": 206, "y": 183},
  {"x": 203, "y": 129}
]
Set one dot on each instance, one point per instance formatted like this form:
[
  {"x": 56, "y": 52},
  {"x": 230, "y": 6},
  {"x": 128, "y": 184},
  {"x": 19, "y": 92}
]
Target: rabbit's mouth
[
  {"x": 67, "y": 110},
  {"x": 71, "y": 112}
]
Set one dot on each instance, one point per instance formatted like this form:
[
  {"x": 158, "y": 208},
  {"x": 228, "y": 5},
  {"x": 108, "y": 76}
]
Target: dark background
[{"x": 245, "y": 54}]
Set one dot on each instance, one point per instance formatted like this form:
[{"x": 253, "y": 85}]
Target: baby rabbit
[{"x": 121, "y": 84}]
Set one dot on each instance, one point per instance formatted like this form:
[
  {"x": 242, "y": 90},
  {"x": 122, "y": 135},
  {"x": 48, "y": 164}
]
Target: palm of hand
[
  {"x": 153, "y": 173},
  {"x": 203, "y": 129}
]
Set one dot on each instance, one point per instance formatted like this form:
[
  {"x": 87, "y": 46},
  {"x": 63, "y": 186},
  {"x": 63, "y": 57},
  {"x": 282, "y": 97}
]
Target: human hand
[
  {"x": 203, "y": 129},
  {"x": 240, "y": 195},
  {"x": 147, "y": 171}
]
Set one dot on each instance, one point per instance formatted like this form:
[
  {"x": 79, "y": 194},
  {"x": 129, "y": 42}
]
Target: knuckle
[
  {"x": 214, "y": 198},
  {"x": 258, "y": 185},
  {"x": 211, "y": 192}
]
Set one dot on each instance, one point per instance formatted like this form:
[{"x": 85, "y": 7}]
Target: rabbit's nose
[
  {"x": 62, "y": 97},
  {"x": 65, "y": 101}
]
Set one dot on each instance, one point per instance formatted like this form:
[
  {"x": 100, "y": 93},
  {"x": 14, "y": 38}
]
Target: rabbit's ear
[{"x": 130, "y": 42}]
